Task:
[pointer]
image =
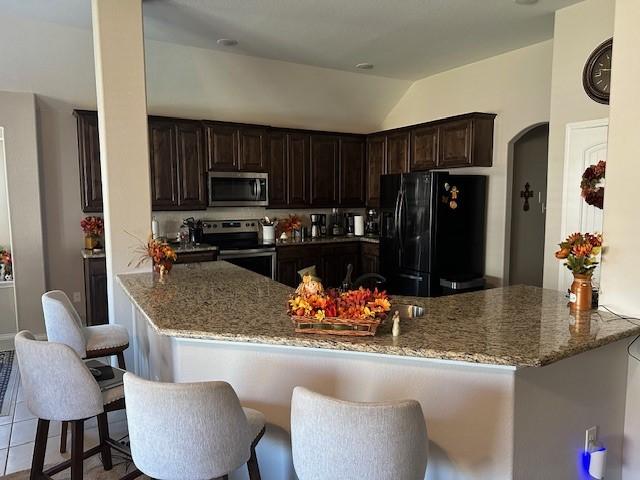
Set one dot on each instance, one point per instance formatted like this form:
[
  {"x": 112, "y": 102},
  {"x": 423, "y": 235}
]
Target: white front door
[{"x": 586, "y": 145}]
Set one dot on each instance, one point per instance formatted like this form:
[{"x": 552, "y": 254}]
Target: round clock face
[{"x": 597, "y": 73}]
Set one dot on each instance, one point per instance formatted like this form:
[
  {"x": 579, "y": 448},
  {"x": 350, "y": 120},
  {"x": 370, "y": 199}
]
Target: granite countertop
[
  {"x": 514, "y": 326},
  {"x": 201, "y": 247},
  {"x": 327, "y": 240}
]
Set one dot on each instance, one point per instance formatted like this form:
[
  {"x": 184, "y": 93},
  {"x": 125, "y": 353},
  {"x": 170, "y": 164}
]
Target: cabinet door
[
  {"x": 376, "y": 150},
  {"x": 162, "y": 154},
  {"x": 455, "y": 144},
  {"x": 424, "y": 148},
  {"x": 288, "y": 272},
  {"x": 277, "y": 170},
  {"x": 95, "y": 291},
  {"x": 89, "y": 156},
  {"x": 222, "y": 147},
  {"x": 253, "y": 149},
  {"x": 369, "y": 262},
  {"x": 191, "y": 171},
  {"x": 335, "y": 259},
  {"x": 298, "y": 171},
  {"x": 398, "y": 152},
  {"x": 352, "y": 172},
  {"x": 324, "y": 170}
]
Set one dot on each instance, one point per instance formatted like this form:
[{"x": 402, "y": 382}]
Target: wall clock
[{"x": 596, "y": 77}]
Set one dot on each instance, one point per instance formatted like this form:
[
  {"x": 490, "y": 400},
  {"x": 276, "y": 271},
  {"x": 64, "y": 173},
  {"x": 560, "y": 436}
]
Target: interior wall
[
  {"x": 56, "y": 63},
  {"x": 5, "y": 231},
  {"x": 578, "y": 30},
  {"x": 516, "y": 86},
  {"x": 621, "y": 262}
]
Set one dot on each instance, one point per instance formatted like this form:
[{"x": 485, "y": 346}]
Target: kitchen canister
[
  {"x": 269, "y": 233},
  {"x": 358, "y": 225}
]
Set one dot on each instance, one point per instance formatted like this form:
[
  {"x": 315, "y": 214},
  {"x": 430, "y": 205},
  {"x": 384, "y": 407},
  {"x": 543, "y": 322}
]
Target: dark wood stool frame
[
  {"x": 105, "y": 352},
  {"x": 252, "y": 464},
  {"x": 78, "y": 455}
]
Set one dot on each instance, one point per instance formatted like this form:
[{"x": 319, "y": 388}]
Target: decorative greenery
[
  {"x": 591, "y": 184},
  {"x": 581, "y": 252}
]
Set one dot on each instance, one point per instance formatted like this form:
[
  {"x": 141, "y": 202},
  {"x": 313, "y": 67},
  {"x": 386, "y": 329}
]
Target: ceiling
[{"x": 405, "y": 39}]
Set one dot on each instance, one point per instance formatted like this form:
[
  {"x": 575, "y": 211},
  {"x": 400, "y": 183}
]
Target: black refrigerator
[{"x": 432, "y": 228}]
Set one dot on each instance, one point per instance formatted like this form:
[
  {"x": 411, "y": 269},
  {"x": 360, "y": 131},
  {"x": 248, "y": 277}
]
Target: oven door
[
  {"x": 238, "y": 189},
  {"x": 258, "y": 260}
]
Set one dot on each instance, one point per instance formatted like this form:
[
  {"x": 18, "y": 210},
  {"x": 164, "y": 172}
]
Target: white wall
[
  {"x": 5, "y": 231},
  {"x": 621, "y": 262},
  {"x": 56, "y": 63},
  {"x": 516, "y": 86},
  {"x": 579, "y": 29}
]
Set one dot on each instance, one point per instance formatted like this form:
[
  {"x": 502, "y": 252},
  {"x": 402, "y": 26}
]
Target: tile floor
[{"x": 18, "y": 431}]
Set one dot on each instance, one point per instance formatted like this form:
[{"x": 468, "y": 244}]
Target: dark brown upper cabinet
[
  {"x": 352, "y": 172},
  {"x": 278, "y": 169},
  {"x": 164, "y": 164},
  {"x": 298, "y": 169},
  {"x": 222, "y": 146},
  {"x": 424, "y": 148},
  {"x": 89, "y": 159},
  {"x": 253, "y": 149},
  {"x": 456, "y": 144},
  {"x": 324, "y": 170},
  {"x": 376, "y": 154},
  {"x": 192, "y": 188},
  {"x": 398, "y": 152}
]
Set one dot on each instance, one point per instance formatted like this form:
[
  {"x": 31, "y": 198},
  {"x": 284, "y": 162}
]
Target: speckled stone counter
[
  {"x": 189, "y": 249},
  {"x": 514, "y": 326},
  {"x": 326, "y": 240}
]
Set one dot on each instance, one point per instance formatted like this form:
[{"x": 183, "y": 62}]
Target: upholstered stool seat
[
  {"x": 59, "y": 386},
  {"x": 101, "y": 338},
  {"x": 190, "y": 430}
]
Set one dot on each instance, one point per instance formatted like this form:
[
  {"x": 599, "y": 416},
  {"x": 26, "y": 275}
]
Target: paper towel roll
[{"x": 358, "y": 225}]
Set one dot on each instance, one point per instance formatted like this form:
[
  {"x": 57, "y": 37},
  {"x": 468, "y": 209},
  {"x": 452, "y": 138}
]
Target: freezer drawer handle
[{"x": 410, "y": 277}]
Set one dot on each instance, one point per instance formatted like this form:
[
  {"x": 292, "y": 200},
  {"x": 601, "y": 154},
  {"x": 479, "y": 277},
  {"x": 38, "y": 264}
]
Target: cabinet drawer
[{"x": 197, "y": 257}]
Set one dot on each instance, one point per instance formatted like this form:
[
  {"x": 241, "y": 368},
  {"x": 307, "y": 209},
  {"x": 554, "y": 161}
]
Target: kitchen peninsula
[{"x": 496, "y": 371}]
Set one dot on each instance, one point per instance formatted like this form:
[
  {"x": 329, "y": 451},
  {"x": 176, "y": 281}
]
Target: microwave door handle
[{"x": 258, "y": 189}]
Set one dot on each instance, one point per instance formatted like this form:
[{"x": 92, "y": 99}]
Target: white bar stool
[
  {"x": 190, "y": 430},
  {"x": 59, "y": 386},
  {"x": 332, "y": 438},
  {"x": 64, "y": 325}
]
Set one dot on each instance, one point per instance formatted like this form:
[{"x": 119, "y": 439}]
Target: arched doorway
[{"x": 528, "y": 206}]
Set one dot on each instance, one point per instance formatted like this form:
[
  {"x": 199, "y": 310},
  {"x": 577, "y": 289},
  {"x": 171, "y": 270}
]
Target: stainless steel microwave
[{"x": 238, "y": 189}]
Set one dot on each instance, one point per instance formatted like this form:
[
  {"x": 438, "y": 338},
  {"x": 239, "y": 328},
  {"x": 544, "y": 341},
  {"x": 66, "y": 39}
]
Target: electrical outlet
[
  {"x": 76, "y": 297},
  {"x": 590, "y": 438}
]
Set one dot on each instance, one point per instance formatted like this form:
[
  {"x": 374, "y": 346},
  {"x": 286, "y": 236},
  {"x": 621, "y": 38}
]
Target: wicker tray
[{"x": 336, "y": 326}]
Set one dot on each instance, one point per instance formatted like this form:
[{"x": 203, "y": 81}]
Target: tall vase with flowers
[
  {"x": 160, "y": 252},
  {"x": 581, "y": 252},
  {"x": 93, "y": 228},
  {"x": 6, "y": 264}
]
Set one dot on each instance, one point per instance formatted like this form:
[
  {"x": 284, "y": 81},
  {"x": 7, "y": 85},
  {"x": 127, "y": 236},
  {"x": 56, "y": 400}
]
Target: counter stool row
[{"x": 200, "y": 430}]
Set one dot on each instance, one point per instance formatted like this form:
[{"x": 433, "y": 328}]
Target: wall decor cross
[{"x": 527, "y": 193}]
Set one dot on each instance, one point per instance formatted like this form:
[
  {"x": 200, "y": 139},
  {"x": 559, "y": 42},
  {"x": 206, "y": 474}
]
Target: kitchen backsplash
[{"x": 170, "y": 222}]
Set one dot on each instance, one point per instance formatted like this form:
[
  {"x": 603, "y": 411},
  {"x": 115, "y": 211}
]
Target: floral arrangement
[
  {"x": 310, "y": 300},
  {"x": 160, "y": 253},
  {"x": 292, "y": 222},
  {"x": 6, "y": 262},
  {"x": 92, "y": 226},
  {"x": 581, "y": 251},
  {"x": 591, "y": 184}
]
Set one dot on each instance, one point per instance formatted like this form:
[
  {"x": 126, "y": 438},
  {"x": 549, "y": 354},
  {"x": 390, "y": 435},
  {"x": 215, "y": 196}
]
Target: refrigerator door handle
[
  {"x": 400, "y": 221},
  {"x": 410, "y": 277}
]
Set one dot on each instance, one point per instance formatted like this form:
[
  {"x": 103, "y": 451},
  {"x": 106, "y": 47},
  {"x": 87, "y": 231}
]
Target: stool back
[
  {"x": 62, "y": 321},
  {"x": 185, "y": 430},
  {"x": 336, "y": 439},
  {"x": 57, "y": 384}
]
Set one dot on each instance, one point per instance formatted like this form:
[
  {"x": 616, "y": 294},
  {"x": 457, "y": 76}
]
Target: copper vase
[
  {"x": 90, "y": 242},
  {"x": 581, "y": 293}
]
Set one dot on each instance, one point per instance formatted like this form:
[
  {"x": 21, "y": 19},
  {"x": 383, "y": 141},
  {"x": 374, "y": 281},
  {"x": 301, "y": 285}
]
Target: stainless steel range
[{"x": 239, "y": 243}]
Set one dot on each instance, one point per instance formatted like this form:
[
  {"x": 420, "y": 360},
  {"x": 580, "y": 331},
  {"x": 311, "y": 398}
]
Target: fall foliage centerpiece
[
  {"x": 580, "y": 252},
  {"x": 160, "y": 252},
  {"x": 93, "y": 228},
  {"x": 352, "y": 312}
]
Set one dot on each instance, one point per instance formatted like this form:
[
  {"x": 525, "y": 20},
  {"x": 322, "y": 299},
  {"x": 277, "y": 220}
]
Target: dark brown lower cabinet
[
  {"x": 95, "y": 291},
  {"x": 331, "y": 262},
  {"x": 197, "y": 257},
  {"x": 370, "y": 258}
]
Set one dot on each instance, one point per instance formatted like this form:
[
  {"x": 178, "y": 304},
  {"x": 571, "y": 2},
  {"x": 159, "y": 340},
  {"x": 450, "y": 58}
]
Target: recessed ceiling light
[
  {"x": 525, "y": 2},
  {"x": 365, "y": 66},
  {"x": 227, "y": 42}
]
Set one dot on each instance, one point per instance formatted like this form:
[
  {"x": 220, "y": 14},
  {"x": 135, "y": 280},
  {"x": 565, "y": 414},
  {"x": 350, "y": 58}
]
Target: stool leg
[
  {"x": 63, "y": 437},
  {"x": 77, "y": 449},
  {"x": 39, "y": 449},
  {"x": 121, "y": 363},
  {"x": 103, "y": 432},
  {"x": 252, "y": 466}
]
